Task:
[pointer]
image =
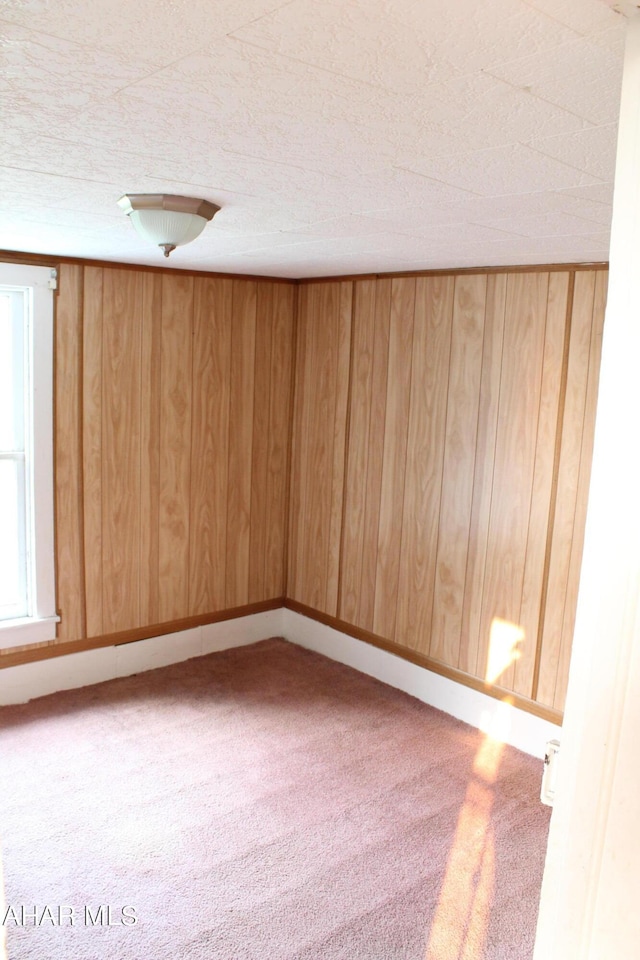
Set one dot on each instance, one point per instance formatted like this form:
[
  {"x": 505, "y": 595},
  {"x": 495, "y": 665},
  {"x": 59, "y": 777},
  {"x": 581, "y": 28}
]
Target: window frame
[{"x": 40, "y": 622}]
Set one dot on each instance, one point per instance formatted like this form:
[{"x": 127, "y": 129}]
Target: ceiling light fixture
[{"x": 167, "y": 220}]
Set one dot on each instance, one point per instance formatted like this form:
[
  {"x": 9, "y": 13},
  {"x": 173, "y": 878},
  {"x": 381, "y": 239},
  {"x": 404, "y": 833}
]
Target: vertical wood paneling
[
  {"x": 343, "y": 345},
  {"x": 241, "y": 409},
  {"x": 150, "y": 391},
  {"x": 456, "y": 384},
  {"x": 213, "y": 321},
  {"x": 465, "y": 369},
  {"x": 277, "y": 454},
  {"x": 173, "y": 414},
  {"x": 496, "y": 303},
  {"x": 173, "y": 408},
  {"x": 425, "y": 453},
  {"x": 68, "y": 454},
  {"x": 394, "y": 457},
  {"x": 260, "y": 452},
  {"x": 372, "y": 311},
  {"x": 563, "y": 521},
  {"x": 523, "y": 350},
  {"x": 121, "y": 337},
  {"x": 584, "y": 476},
  {"x": 373, "y": 491},
  {"x": 299, "y": 440},
  {"x": 359, "y": 432},
  {"x": 92, "y": 451},
  {"x": 532, "y": 588},
  {"x": 175, "y": 445},
  {"x": 324, "y": 333},
  {"x": 322, "y": 384}
]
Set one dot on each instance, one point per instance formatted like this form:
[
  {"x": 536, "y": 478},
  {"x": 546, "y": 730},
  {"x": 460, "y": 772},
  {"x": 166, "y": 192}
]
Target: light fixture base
[
  {"x": 166, "y": 219},
  {"x": 168, "y": 201}
]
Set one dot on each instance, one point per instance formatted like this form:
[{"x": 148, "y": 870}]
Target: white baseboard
[
  {"x": 500, "y": 720},
  {"x": 30, "y": 680}
]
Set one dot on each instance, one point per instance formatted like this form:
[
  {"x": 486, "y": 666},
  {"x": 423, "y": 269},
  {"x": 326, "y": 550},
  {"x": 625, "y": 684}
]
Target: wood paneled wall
[
  {"x": 441, "y": 454},
  {"x": 434, "y": 496},
  {"x": 172, "y": 429},
  {"x": 320, "y": 413}
]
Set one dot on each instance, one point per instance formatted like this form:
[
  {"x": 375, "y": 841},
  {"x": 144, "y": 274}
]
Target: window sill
[{"x": 15, "y": 633}]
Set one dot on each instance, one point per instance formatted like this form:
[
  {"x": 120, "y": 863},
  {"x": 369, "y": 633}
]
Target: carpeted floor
[{"x": 264, "y": 803}]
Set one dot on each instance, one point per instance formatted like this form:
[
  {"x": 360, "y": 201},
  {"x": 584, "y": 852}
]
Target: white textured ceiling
[{"x": 338, "y": 136}]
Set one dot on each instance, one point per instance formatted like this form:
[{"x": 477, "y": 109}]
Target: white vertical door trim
[{"x": 588, "y": 907}]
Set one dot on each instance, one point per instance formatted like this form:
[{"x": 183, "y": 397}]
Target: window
[{"x": 27, "y": 584}]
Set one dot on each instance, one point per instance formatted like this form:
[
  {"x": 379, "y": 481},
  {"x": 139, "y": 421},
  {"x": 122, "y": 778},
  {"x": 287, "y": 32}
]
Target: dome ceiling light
[{"x": 166, "y": 219}]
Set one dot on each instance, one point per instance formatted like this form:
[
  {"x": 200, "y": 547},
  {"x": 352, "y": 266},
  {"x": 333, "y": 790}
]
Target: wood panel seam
[
  {"x": 533, "y": 477},
  {"x": 446, "y": 420},
  {"x": 575, "y": 505},
  {"x": 493, "y": 466},
  {"x": 83, "y": 567},
  {"x": 347, "y": 439},
  {"x": 554, "y": 487},
  {"x": 289, "y": 456},
  {"x": 475, "y": 463},
  {"x": 406, "y": 455}
]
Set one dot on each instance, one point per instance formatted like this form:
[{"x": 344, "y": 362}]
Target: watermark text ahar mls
[{"x": 64, "y": 915}]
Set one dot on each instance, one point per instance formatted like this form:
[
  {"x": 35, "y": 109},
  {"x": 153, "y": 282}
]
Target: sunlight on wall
[
  {"x": 504, "y": 641},
  {"x": 461, "y": 920}
]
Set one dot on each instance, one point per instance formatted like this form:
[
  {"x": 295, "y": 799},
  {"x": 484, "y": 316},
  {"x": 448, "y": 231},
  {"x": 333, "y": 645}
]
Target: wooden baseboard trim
[
  {"x": 33, "y": 654},
  {"x": 498, "y": 693},
  {"x": 37, "y": 653}
]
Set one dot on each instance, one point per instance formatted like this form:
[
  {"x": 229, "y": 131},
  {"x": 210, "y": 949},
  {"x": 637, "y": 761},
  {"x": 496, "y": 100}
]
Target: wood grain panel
[
  {"x": 212, "y": 326},
  {"x": 320, "y": 400},
  {"x": 568, "y": 473},
  {"x": 534, "y": 571},
  {"x": 121, "y": 336},
  {"x": 150, "y": 406},
  {"x": 430, "y": 446},
  {"x": 453, "y": 415},
  {"x": 586, "y": 456},
  {"x": 465, "y": 369},
  {"x": 175, "y": 445},
  {"x": 379, "y": 382},
  {"x": 425, "y": 452},
  {"x": 495, "y": 309},
  {"x": 372, "y": 314},
  {"x": 577, "y": 428},
  {"x": 358, "y": 454},
  {"x": 299, "y": 439},
  {"x": 330, "y": 347},
  {"x": 92, "y": 452},
  {"x": 241, "y": 409},
  {"x": 403, "y": 294},
  {"x": 324, "y": 329},
  {"x": 523, "y": 351},
  {"x": 278, "y": 452},
  {"x": 68, "y": 454},
  {"x": 260, "y": 446},
  {"x": 343, "y": 348}
]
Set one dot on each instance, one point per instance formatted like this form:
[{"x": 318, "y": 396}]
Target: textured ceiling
[{"x": 338, "y": 136}]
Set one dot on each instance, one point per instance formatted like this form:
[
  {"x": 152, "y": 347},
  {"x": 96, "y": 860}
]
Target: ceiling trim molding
[{"x": 51, "y": 260}]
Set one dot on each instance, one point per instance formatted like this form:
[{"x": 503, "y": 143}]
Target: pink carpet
[{"x": 263, "y": 803}]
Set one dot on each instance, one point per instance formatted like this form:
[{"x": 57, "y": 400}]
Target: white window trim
[{"x": 41, "y": 625}]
